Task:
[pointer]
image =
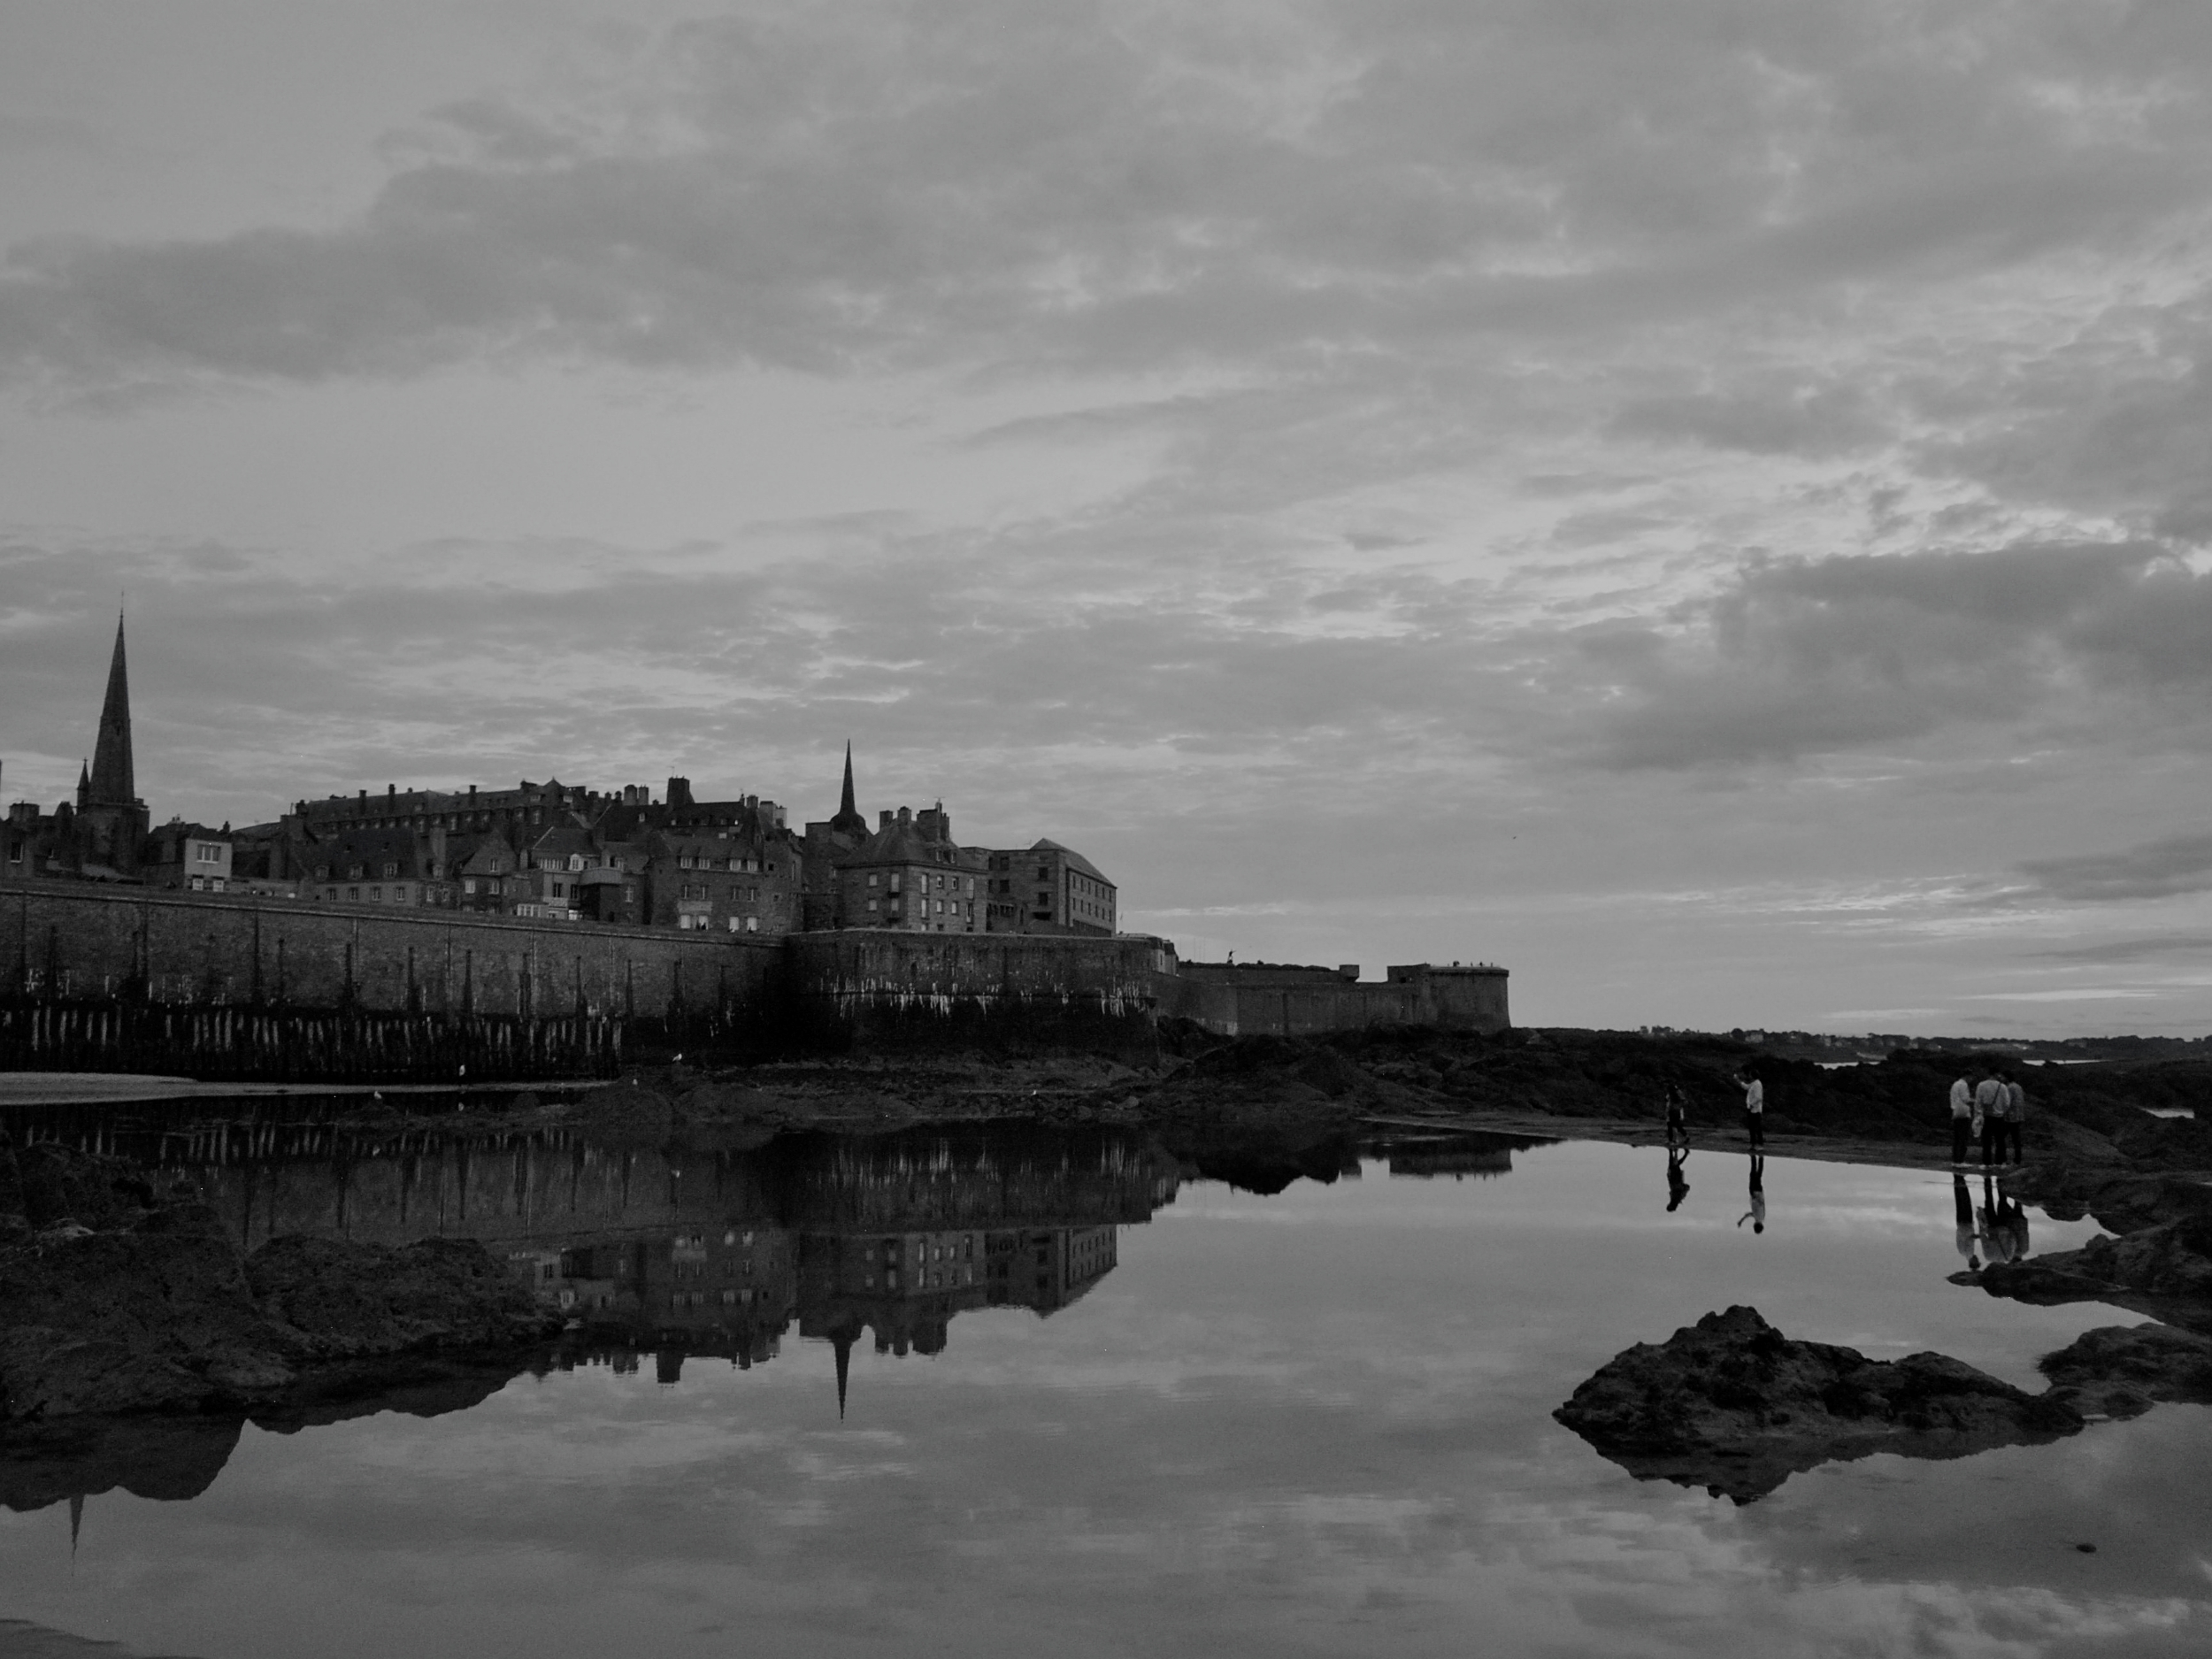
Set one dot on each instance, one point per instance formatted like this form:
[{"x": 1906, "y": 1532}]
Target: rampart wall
[
  {"x": 886, "y": 989},
  {"x": 1291, "y": 1003},
  {"x": 107, "y": 979},
  {"x": 81, "y": 940}
]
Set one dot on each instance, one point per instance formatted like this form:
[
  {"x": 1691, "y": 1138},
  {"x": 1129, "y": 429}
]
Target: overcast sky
[{"x": 1704, "y": 502}]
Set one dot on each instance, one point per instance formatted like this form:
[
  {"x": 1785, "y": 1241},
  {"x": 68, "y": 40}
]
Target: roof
[
  {"x": 897, "y": 843},
  {"x": 1074, "y": 860}
]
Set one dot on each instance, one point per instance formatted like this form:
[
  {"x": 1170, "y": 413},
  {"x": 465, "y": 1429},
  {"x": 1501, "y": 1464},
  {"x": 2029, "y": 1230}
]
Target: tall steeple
[
  {"x": 113, "y": 782},
  {"x": 849, "y": 820}
]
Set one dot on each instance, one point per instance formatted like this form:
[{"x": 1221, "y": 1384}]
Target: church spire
[
  {"x": 113, "y": 782},
  {"x": 848, "y": 820},
  {"x": 843, "y": 1342}
]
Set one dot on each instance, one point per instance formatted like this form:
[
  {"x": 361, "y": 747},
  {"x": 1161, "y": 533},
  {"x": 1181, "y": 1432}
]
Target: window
[
  {"x": 355, "y": 872},
  {"x": 560, "y": 890},
  {"x": 391, "y": 869},
  {"x": 376, "y": 895},
  {"x": 871, "y": 881},
  {"x": 752, "y": 924},
  {"x": 695, "y": 890},
  {"x": 468, "y": 884},
  {"x": 207, "y": 852},
  {"x": 353, "y": 896},
  {"x": 576, "y": 861},
  {"x": 871, "y": 904}
]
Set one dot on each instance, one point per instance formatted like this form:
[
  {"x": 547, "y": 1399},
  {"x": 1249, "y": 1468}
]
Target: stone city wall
[
  {"x": 1267, "y": 1000},
  {"x": 881, "y": 989},
  {"x": 83, "y": 941}
]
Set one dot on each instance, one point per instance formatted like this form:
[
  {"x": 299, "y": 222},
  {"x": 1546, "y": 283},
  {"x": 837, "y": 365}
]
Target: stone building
[
  {"x": 911, "y": 875},
  {"x": 190, "y": 857},
  {"x": 1049, "y": 888}
]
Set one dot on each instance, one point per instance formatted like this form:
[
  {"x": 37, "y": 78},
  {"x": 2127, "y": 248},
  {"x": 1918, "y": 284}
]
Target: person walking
[
  {"x": 1678, "y": 1117},
  {"x": 1987, "y": 1103},
  {"x": 1961, "y": 1118},
  {"x": 1755, "y": 1109}
]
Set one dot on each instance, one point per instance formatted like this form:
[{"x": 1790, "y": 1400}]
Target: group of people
[{"x": 1989, "y": 1107}]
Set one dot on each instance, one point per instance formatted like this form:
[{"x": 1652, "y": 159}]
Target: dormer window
[
  {"x": 353, "y": 872},
  {"x": 391, "y": 869}
]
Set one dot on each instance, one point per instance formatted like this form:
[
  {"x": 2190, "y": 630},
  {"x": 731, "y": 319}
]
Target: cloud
[
  {"x": 1795, "y": 657},
  {"x": 2155, "y": 870},
  {"x": 974, "y": 181},
  {"x": 2118, "y": 951}
]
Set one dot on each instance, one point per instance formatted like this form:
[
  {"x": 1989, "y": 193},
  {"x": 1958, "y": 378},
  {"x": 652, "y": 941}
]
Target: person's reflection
[
  {"x": 1678, "y": 1183},
  {"x": 2004, "y": 1224},
  {"x": 1996, "y": 1227},
  {"x": 1757, "y": 1214},
  {"x": 1969, "y": 1239}
]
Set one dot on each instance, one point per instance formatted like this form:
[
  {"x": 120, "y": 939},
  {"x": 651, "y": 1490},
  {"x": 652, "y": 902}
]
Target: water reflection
[
  {"x": 1996, "y": 1231},
  {"x": 1677, "y": 1182},
  {"x": 1757, "y": 1214}
]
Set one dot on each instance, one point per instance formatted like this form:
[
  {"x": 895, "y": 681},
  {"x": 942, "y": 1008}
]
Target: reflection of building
[{"x": 713, "y": 1254}]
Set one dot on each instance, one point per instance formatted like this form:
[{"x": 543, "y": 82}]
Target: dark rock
[
  {"x": 156, "y": 1318},
  {"x": 167, "y": 1458},
  {"x": 1733, "y": 1405},
  {"x": 157, "y": 1311},
  {"x": 2123, "y": 1371},
  {"x": 339, "y": 1300},
  {"x": 2165, "y": 1270}
]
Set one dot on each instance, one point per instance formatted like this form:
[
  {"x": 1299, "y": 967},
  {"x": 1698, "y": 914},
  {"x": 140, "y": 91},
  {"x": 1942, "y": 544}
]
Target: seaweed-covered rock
[
  {"x": 156, "y": 1309},
  {"x": 157, "y": 1316},
  {"x": 1733, "y": 1405},
  {"x": 339, "y": 1300}
]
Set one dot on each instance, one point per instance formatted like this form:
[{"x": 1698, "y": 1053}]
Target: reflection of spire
[
  {"x": 843, "y": 1341},
  {"x": 76, "y": 1521}
]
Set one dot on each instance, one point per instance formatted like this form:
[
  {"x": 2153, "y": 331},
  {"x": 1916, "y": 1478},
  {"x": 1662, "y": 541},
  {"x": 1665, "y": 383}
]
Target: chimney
[
  {"x": 678, "y": 793},
  {"x": 883, "y": 818},
  {"x": 906, "y": 815}
]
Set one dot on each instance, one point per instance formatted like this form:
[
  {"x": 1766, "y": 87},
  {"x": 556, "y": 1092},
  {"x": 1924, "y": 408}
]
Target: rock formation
[{"x": 1733, "y": 1405}]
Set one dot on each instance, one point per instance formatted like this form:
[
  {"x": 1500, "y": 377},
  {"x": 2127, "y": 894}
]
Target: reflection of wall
[{"x": 714, "y": 1252}]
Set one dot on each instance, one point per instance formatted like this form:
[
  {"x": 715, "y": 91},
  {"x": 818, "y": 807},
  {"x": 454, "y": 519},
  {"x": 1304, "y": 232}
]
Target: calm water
[{"x": 1312, "y": 1423}]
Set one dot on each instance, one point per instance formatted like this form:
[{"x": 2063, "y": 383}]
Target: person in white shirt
[
  {"x": 1754, "y": 1107},
  {"x": 1961, "y": 1117}
]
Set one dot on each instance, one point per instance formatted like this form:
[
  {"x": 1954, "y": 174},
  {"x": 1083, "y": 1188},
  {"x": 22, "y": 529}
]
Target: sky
[{"x": 1705, "y": 502}]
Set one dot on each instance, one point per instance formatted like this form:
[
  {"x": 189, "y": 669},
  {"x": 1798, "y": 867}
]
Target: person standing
[
  {"x": 1961, "y": 1117},
  {"x": 1755, "y": 1109},
  {"x": 2015, "y": 1115},
  {"x": 1678, "y": 1117},
  {"x": 1987, "y": 1107}
]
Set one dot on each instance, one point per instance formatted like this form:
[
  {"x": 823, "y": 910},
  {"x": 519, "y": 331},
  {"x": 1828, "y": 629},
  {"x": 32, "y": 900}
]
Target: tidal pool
[{"x": 1314, "y": 1422}]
